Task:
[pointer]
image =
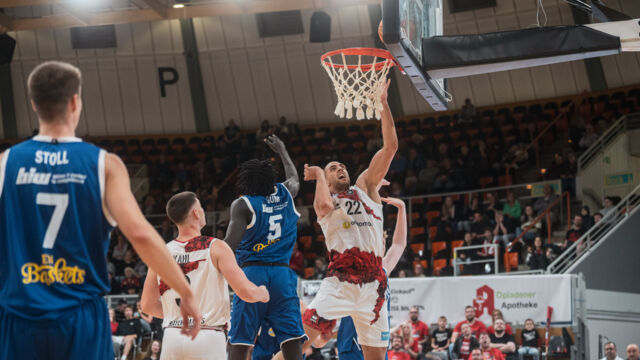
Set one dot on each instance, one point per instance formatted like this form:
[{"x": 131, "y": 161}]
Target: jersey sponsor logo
[
  {"x": 346, "y": 225},
  {"x": 260, "y": 246},
  {"x": 32, "y": 177},
  {"x": 51, "y": 158},
  {"x": 50, "y": 271},
  {"x": 178, "y": 323},
  {"x": 384, "y": 336}
]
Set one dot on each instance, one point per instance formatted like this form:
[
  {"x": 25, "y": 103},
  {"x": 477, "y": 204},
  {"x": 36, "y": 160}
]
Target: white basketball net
[{"x": 358, "y": 89}]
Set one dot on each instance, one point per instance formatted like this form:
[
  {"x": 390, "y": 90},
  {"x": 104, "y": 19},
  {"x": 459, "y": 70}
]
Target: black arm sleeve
[{"x": 240, "y": 217}]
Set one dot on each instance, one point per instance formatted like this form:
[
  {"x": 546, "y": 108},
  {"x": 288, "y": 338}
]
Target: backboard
[{"x": 405, "y": 23}]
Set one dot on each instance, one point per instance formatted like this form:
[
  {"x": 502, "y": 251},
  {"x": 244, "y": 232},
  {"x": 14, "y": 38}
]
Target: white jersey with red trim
[
  {"x": 207, "y": 283},
  {"x": 356, "y": 222}
]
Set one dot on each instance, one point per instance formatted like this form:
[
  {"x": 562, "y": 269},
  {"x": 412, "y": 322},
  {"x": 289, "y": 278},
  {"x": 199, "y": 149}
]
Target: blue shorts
[
  {"x": 266, "y": 344},
  {"x": 79, "y": 333},
  {"x": 282, "y": 312}
]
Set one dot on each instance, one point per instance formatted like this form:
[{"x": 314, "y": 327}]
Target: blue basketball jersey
[
  {"x": 272, "y": 232},
  {"x": 54, "y": 228}
]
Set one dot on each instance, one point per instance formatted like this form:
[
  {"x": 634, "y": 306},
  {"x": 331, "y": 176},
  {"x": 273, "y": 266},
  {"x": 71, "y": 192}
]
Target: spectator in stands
[
  {"x": 121, "y": 247},
  {"x": 488, "y": 351},
  {"x": 530, "y": 341},
  {"x": 131, "y": 282},
  {"x": 477, "y": 354},
  {"x": 491, "y": 206},
  {"x": 574, "y": 233},
  {"x": 488, "y": 252},
  {"x": 588, "y": 138},
  {"x": 476, "y": 326},
  {"x": 545, "y": 201},
  {"x": 467, "y": 255},
  {"x": 512, "y": 208},
  {"x": 610, "y": 351},
  {"x": 526, "y": 220},
  {"x": 398, "y": 166},
  {"x": 420, "y": 329},
  {"x": 128, "y": 261},
  {"x": 497, "y": 314},
  {"x": 112, "y": 320},
  {"x": 410, "y": 343},
  {"x": 122, "y": 305},
  {"x": 128, "y": 331},
  {"x": 479, "y": 224},
  {"x": 287, "y": 130},
  {"x": 232, "y": 135},
  {"x": 397, "y": 351},
  {"x": 503, "y": 341},
  {"x": 297, "y": 260},
  {"x": 467, "y": 112},
  {"x": 568, "y": 174},
  {"x": 440, "y": 339},
  {"x": 597, "y": 217},
  {"x": 155, "y": 348},
  {"x": 167, "y": 230},
  {"x": 556, "y": 168},
  {"x": 444, "y": 225},
  {"x": 587, "y": 219},
  {"x": 504, "y": 230},
  {"x": 265, "y": 130},
  {"x": 633, "y": 352},
  {"x": 416, "y": 160},
  {"x": 537, "y": 256},
  {"x": 145, "y": 320},
  {"x": 319, "y": 269},
  {"x": 608, "y": 204},
  {"x": 418, "y": 270},
  {"x": 464, "y": 344},
  {"x": 402, "y": 273}
]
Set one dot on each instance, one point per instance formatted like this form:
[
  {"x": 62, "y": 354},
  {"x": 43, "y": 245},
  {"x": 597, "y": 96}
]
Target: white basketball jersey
[
  {"x": 207, "y": 283},
  {"x": 356, "y": 222}
]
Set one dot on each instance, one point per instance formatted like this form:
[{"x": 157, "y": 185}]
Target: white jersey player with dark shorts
[
  {"x": 208, "y": 264},
  {"x": 351, "y": 220}
]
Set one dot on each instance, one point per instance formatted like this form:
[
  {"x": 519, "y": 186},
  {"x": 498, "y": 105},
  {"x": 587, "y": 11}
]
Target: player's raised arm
[
  {"x": 240, "y": 218},
  {"x": 399, "y": 243},
  {"x": 382, "y": 159},
  {"x": 293, "y": 181},
  {"x": 224, "y": 260},
  {"x": 145, "y": 239},
  {"x": 322, "y": 202},
  {"x": 150, "y": 300}
]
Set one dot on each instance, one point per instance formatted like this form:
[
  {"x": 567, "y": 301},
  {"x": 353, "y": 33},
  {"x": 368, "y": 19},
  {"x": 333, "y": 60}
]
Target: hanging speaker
[
  {"x": 320, "y": 30},
  {"x": 7, "y": 45}
]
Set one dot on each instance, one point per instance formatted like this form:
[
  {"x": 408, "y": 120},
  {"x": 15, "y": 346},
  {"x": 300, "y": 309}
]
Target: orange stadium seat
[
  {"x": 415, "y": 215},
  {"x": 437, "y": 246},
  {"x": 419, "y": 230},
  {"x": 306, "y": 241},
  {"x": 456, "y": 244},
  {"x": 433, "y": 231},
  {"x": 416, "y": 248},
  {"x": 438, "y": 265},
  {"x": 484, "y": 181},
  {"x": 308, "y": 272},
  {"x": 320, "y": 238},
  {"x": 510, "y": 261},
  {"x": 432, "y": 215}
]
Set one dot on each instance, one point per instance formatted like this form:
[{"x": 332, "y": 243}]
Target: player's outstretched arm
[
  {"x": 322, "y": 202},
  {"x": 224, "y": 260},
  {"x": 145, "y": 239},
  {"x": 382, "y": 159},
  {"x": 293, "y": 181},
  {"x": 150, "y": 300},
  {"x": 399, "y": 243},
  {"x": 240, "y": 218}
]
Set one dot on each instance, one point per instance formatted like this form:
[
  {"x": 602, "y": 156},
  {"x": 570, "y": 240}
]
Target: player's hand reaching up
[
  {"x": 275, "y": 144},
  {"x": 189, "y": 309},
  {"x": 394, "y": 202},
  {"x": 383, "y": 92},
  {"x": 312, "y": 172},
  {"x": 263, "y": 294}
]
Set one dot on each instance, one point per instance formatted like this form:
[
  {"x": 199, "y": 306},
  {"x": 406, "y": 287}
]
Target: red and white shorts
[{"x": 357, "y": 289}]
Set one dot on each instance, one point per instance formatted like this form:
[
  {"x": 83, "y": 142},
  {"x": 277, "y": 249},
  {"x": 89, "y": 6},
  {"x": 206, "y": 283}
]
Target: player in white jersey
[
  {"x": 206, "y": 262},
  {"x": 352, "y": 223}
]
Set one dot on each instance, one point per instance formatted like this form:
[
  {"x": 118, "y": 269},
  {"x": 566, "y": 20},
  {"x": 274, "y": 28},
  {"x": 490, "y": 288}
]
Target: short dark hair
[
  {"x": 256, "y": 177},
  {"x": 469, "y": 307},
  {"x": 610, "y": 343},
  {"x": 51, "y": 85},
  {"x": 179, "y": 205}
]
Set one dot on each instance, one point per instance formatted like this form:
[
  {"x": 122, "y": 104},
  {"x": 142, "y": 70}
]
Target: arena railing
[
  {"x": 112, "y": 300},
  {"x": 584, "y": 245},
  {"x": 625, "y": 123},
  {"x": 457, "y": 263}
]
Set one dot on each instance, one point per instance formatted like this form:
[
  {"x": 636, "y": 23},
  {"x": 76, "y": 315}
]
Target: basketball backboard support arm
[{"x": 598, "y": 10}]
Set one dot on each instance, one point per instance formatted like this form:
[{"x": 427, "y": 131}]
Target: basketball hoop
[{"x": 358, "y": 76}]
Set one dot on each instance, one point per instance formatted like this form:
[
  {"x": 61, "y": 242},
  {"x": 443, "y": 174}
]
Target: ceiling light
[{"x": 178, "y": 6}]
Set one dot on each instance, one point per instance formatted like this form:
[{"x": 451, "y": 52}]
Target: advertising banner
[{"x": 519, "y": 297}]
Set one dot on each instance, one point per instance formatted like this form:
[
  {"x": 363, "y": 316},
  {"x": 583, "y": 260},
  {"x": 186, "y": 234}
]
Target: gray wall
[{"x": 615, "y": 265}]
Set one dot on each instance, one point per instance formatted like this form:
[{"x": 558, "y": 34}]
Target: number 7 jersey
[
  {"x": 272, "y": 231},
  {"x": 54, "y": 227}
]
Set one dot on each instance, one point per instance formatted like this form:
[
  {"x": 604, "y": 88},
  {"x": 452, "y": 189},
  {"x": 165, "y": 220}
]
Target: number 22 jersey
[{"x": 54, "y": 226}]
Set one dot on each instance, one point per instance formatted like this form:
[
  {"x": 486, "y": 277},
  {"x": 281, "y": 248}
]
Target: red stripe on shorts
[
  {"x": 312, "y": 319},
  {"x": 359, "y": 267}
]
